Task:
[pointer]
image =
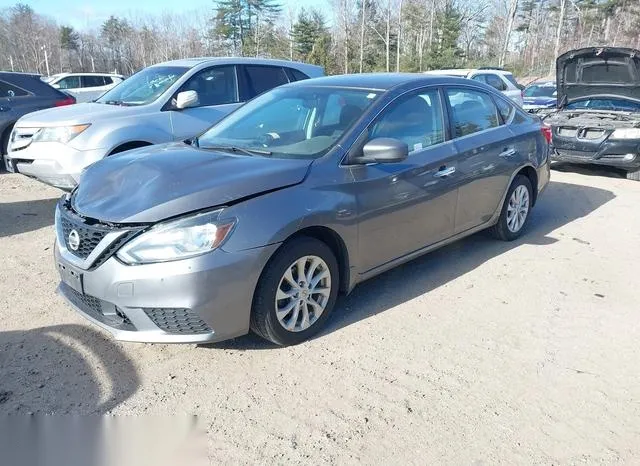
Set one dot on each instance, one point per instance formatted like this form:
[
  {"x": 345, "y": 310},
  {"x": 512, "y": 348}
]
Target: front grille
[
  {"x": 591, "y": 133},
  {"x": 21, "y": 138},
  {"x": 567, "y": 131},
  {"x": 89, "y": 237},
  {"x": 180, "y": 321},
  {"x": 90, "y": 234}
]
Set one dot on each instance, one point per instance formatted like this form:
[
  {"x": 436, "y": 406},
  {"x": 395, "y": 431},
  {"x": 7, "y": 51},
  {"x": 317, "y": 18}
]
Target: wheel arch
[
  {"x": 125, "y": 146},
  {"x": 337, "y": 245},
  {"x": 532, "y": 175}
]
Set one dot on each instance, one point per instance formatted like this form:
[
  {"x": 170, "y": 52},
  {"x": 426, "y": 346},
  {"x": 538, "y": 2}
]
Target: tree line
[{"x": 352, "y": 36}]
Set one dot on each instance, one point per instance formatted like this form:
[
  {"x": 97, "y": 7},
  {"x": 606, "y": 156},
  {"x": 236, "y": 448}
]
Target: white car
[
  {"x": 85, "y": 87},
  {"x": 497, "y": 78}
]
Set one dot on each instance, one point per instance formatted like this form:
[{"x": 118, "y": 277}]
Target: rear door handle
[
  {"x": 507, "y": 153},
  {"x": 4, "y": 109},
  {"x": 445, "y": 172}
]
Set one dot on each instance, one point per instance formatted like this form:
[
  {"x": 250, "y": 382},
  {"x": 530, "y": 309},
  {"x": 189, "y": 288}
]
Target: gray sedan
[{"x": 262, "y": 221}]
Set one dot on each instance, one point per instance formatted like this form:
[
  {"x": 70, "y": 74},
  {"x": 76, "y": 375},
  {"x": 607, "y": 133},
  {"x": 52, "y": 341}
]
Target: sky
[{"x": 91, "y": 13}]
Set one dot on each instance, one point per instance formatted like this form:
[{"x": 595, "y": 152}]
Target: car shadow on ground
[
  {"x": 560, "y": 204},
  {"x": 24, "y": 216},
  {"x": 589, "y": 170},
  {"x": 45, "y": 370}
]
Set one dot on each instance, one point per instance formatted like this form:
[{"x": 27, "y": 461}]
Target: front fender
[{"x": 272, "y": 218}]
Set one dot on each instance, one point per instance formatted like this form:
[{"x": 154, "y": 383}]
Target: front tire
[
  {"x": 515, "y": 211},
  {"x": 296, "y": 292}
]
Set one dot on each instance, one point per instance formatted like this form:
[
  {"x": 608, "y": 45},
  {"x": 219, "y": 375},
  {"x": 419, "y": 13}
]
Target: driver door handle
[{"x": 444, "y": 171}]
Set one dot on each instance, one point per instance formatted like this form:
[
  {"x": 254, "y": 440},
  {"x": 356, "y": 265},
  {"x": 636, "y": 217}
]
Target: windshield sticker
[{"x": 372, "y": 96}]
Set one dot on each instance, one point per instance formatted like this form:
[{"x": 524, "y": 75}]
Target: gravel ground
[{"x": 480, "y": 353}]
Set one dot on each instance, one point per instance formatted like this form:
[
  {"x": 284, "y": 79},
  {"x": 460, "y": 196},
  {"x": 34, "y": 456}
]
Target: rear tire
[
  {"x": 4, "y": 146},
  {"x": 635, "y": 176},
  {"x": 305, "y": 299},
  {"x": 515, "y": 211}
]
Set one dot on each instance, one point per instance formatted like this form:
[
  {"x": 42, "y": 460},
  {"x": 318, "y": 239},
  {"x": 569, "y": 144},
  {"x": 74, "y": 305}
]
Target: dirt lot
[{"x": 481, "y": 353}]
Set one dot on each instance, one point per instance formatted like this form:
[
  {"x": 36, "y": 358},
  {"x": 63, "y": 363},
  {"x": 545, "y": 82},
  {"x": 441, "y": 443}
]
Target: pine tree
[{"x": 445, "y": 52}]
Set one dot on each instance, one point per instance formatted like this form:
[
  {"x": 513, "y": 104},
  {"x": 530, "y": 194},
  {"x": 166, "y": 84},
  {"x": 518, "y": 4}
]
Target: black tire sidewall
[
  {"x": 507, "y": 234},
  {"x": 264, "y": 298}
]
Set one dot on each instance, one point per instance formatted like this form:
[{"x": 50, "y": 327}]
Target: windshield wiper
[
  {"x": 244, "y": 150},
  {"x": 116, "y": 102}
]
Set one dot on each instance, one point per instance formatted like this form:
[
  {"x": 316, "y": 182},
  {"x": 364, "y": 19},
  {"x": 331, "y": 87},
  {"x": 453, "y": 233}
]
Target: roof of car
[
  {"x": 64, "y": 75},
  {"x": 378, "y": 81},
  {"x": 467, "y": 71},
  {"x": 192, "y": 62}
]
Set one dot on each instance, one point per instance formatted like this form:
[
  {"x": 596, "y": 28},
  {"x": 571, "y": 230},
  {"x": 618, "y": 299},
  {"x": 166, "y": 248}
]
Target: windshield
[
  {"x": 540, "y": 90},
  {"x": 620, "y": 105},
  {"x": 143, "y": 87},
  {"x": 292, "y": 122}
]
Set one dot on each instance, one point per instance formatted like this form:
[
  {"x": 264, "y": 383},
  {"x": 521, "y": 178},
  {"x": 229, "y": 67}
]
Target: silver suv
[
  {"x": 497, "y": 78},
  {"x": 167, "y": 102}
]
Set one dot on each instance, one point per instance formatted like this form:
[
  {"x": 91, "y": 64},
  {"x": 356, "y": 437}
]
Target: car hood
[
  {"x": 598, "y": 71},
  {"x": 158, "y": 182},
  {"x": 77, "y": 114}
]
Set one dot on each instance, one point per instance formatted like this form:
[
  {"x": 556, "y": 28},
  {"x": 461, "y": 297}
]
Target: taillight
[
  {"x": 66, "y": 101},
  {"x": 546, "y": 131}
]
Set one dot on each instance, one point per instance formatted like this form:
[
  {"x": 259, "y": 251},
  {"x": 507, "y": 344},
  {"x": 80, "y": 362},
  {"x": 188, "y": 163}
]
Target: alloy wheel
[
  {"x": 303, "y": 293},
  {"x": 518, "y": 208}
]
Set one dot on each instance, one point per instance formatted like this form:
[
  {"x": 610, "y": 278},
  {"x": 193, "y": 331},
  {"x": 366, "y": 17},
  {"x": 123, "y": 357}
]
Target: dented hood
[
  {"x": 598, "y": 71},
  {"x": 158, "y": 182}
]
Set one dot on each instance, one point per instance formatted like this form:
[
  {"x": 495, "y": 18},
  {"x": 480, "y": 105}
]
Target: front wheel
[
  {"x": 515, "y": 211},
  {"x": 296, "y": 292}
]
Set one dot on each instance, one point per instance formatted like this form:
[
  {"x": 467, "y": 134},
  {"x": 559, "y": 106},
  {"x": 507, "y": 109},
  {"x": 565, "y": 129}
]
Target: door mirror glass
[
  {"x": 384, "y": 150},
  {"x": 187, "y": 99}
]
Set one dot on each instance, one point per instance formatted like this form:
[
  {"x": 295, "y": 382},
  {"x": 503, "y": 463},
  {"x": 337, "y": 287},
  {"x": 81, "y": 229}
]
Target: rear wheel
[
  {"x": 515, "y": 211},
  {"x": 634, "y": 175},
  {"x": 296, "y": 292},
  {"x": 4, "y": 146}
]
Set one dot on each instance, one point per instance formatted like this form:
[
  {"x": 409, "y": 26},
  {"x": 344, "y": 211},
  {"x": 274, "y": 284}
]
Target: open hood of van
[{"x": 598, "y": 71}]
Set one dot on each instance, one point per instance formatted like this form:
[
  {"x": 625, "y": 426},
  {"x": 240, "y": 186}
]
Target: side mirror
[
  {"x": 187, "y": 99},
  {"x": 57, "y": 86},
  {"x": 383, "y": 150}
]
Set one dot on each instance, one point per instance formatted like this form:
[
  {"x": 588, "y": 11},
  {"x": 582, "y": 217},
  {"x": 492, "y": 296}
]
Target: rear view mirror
[
  {"x": 186, "y": 99},
  {"x": 383, "y": 150}
]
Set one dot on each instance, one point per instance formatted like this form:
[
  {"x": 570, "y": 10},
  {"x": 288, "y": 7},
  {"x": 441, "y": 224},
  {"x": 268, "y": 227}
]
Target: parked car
[
  {"x": 85, "y": 87},
  {"x": 300, "y": 194},
  {"x": 22, "y": 93},
  {"x": 171, "y": 101},
  {"x": 540, "y": 96},
  {"x": 497, "y": 78},
  {"x": 598, "y": 120}
]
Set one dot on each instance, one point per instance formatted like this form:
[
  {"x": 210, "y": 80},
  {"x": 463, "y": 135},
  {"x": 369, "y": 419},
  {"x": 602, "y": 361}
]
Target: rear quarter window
[
  {"x": 296, "y": 75},
  {"x": 8, "y": 90}
]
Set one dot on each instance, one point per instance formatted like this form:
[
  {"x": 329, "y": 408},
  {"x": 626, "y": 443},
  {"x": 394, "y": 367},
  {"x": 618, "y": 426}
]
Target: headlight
[
  {"x": 59, "y": 133},
  {"x": 626, "y": 133},
  {"x": 180, "y": 239}
]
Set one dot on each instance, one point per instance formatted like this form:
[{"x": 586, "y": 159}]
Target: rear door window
[
  {"x": 471, "y": 111},
  {"x": 8, "y": 91},
  {"x": 259, "y": 79},
  {"x": 70, "y": 82}
]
